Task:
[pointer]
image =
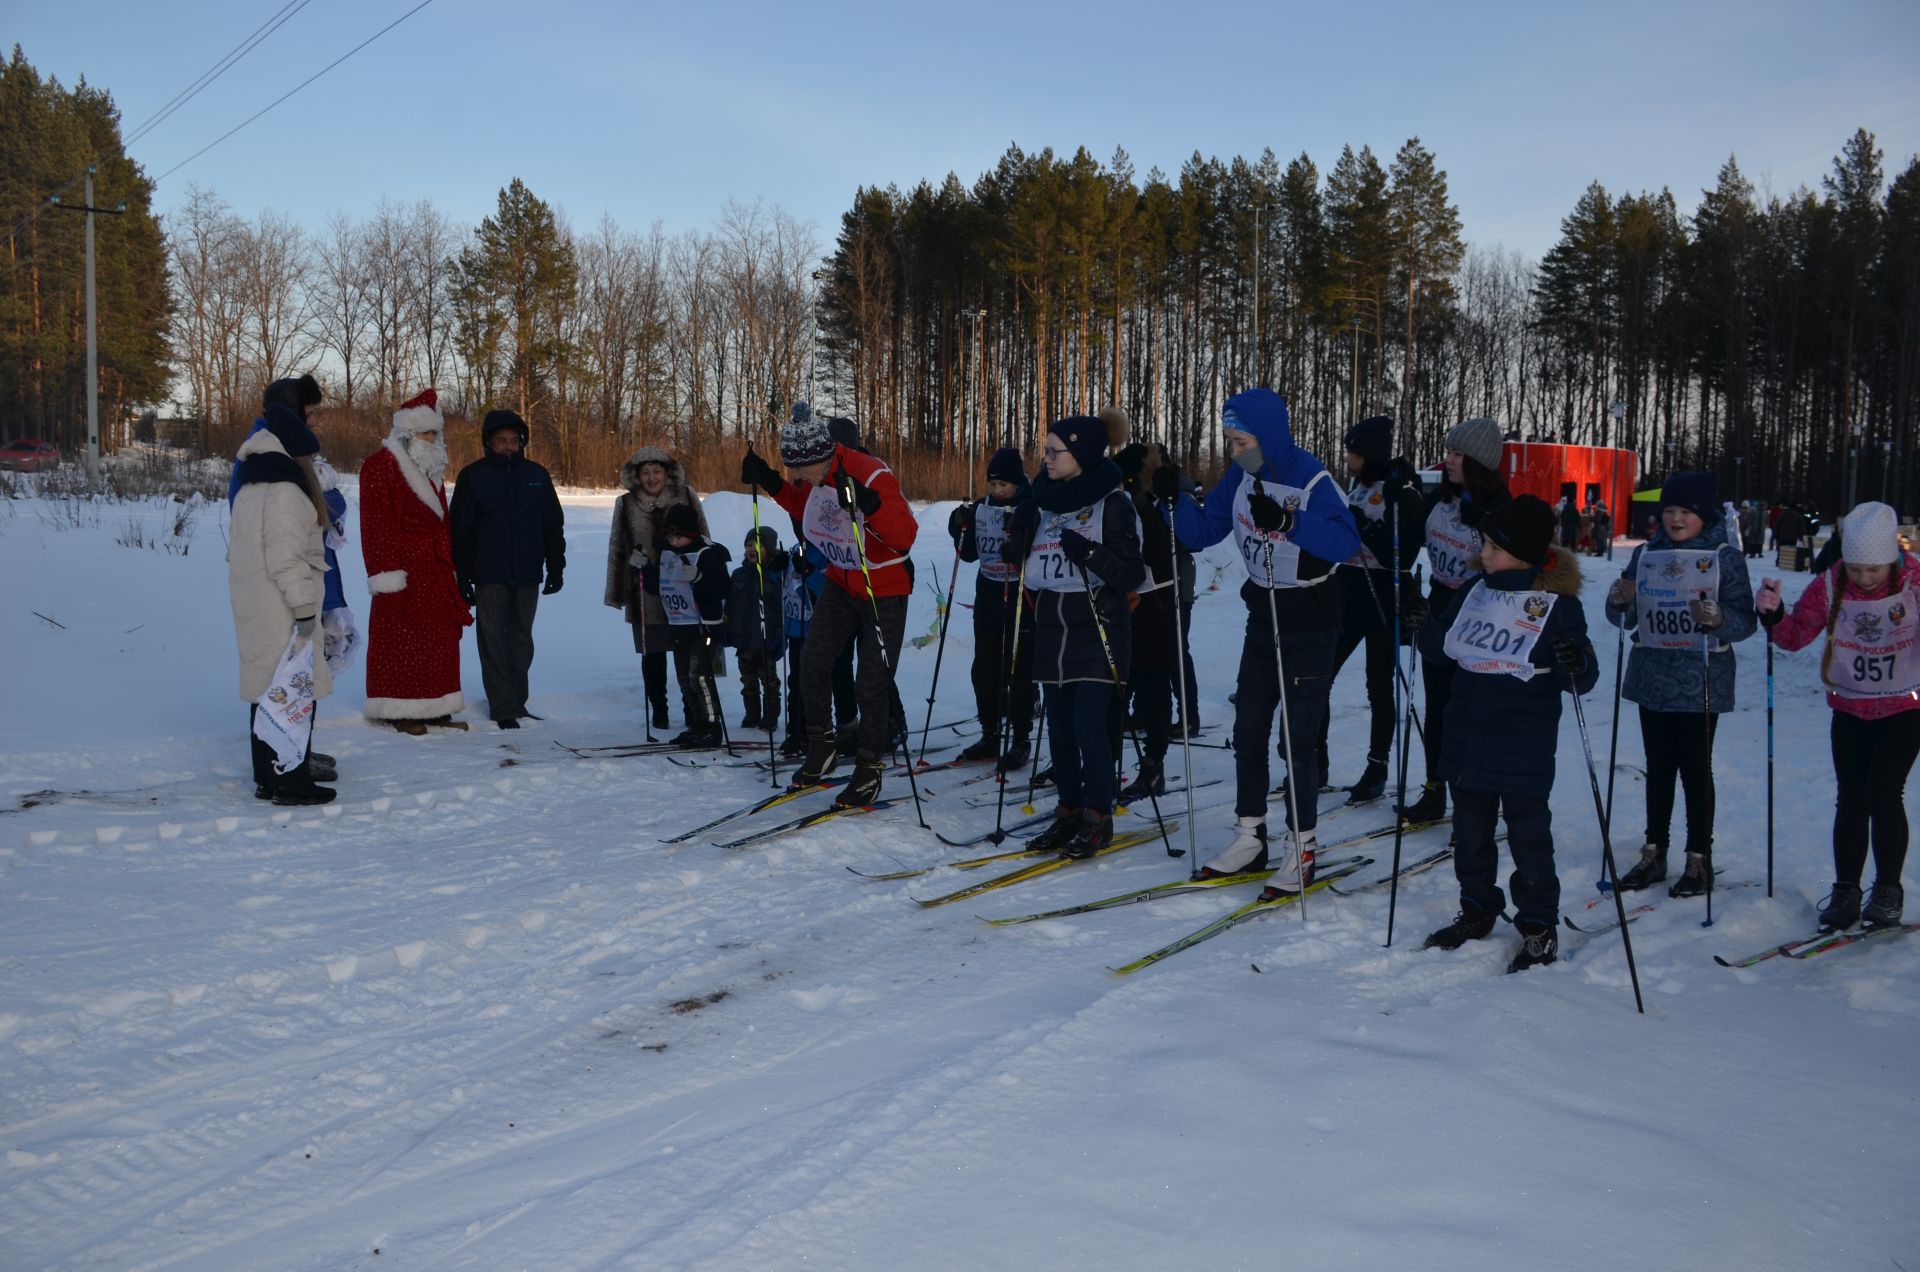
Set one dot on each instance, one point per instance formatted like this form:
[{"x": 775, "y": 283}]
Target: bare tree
[{"x": 340, "y": 303}]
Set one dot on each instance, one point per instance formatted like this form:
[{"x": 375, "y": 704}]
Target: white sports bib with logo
[
  {"x": 793, "y": 596},
  {"x": 830, "y": 528},
  {"x": 1494, "y": 632},
  {"x": 1665, "y": 584},
  {"x": 1372, "y": 503},
  {"x": 1048, "y": 567},
  {"x": 1451, "y": 545},
  {"x": 677, "y": 572},
  {"x": 989, "y": 536},
  {"x": 1876, "y": 647},
  {"x": 1254, "y": 542}
]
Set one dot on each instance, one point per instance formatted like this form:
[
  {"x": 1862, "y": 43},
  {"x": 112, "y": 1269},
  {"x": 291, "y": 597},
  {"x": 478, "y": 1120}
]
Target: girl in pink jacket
[{"x": 1868, "y": 608}]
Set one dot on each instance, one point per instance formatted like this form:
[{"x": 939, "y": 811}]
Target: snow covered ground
[{"x": 476, "y": 1015}]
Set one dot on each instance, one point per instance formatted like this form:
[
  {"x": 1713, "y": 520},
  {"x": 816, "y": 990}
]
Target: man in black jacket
[{"x": 507, "y": 529}]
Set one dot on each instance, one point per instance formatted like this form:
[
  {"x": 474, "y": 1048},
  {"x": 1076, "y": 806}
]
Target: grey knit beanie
[
  {"x": 805, "y": 439},
  {"x": 1478, "y": 440}
]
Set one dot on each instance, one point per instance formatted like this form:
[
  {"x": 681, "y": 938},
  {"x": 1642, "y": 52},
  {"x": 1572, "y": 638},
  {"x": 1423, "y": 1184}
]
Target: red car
[{"x": 29, "y": 455}]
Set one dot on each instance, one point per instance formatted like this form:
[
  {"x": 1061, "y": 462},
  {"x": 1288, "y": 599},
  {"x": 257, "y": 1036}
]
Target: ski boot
[
  {"x": 1044, "y": 777},
  {"x": 751, "y": 722},
  {"x": 1094, "y": 834},
  {"x": 1247, "y": 852},
  {"x": 1884, "y": 906},
  {"x": 1430, "y": 807},
  {"x": 793, "y": 746},
  {"x": 1372, "y": 784},
  {"x": 823, "y": 752},
  {"x": 863, "y": 787},
  {"x": 1696, "y": 880},
  {"x": 1470, "y": 924},
  {"x": 1014, "y": 758},
  {"x": 1842, "y": 910},
  {"x": 697, "y": 735},
  {"x": 987, "y": 748},
  {"x": 1151, "y": 781},
  {"x": 1649, "y": 870},
  {"x": 1539, "y": 945},
  {"x": 1059, "y": 833},
  {"x": 1293, "y": 872}
]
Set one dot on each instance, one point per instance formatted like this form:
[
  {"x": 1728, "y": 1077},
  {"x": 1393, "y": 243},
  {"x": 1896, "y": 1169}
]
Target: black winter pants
[
  {"x": 1436, "y": 674},
  {"x": 1679, "y": 745},
  {"x": 302, "y": 773},
  {"x": 1379, "y": 664},
  {"x": 1476, "y": 857},
  {"x": 1309, "y": 663},
  {"x": 693, "y": 661},
  {"x": 1079, "y": 718},
  {"x": 997, "y": 694},
  {"x": 1151, "y": 693},
  {"x": 759, "y": 680},
  {"x": 1871, "y": 761},
  {"x": 841, "y": 620},
  {"x": 1192, "y": 717},
  {"x": 845, "y": 707},
  {"x": 503, "y": 625}
]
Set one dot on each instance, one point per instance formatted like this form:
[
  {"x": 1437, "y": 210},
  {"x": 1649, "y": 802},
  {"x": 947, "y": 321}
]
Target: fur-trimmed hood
[
  {"x": 1560, "y": 575},
  {"x": 630, "y": 471}
]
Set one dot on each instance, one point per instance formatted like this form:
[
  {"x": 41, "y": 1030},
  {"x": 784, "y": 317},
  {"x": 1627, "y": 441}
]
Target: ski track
[{"x": 474, "y": 1014}]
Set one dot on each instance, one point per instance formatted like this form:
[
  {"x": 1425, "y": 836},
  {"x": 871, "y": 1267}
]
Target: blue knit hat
[{"x": 1698, "y": 493}]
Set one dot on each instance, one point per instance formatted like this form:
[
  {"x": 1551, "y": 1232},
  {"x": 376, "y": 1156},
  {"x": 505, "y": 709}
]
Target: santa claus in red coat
[{"x": 413, "y": 635}]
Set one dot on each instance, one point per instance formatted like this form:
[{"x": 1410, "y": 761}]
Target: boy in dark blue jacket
[
  {"x": 1291, "y": 524},
  {"x": 1517, "y": 639},
  {"x": 1002, "y": 676},
  {"x": 690, "y": 578},
  {"x": 756, "y": 627}
]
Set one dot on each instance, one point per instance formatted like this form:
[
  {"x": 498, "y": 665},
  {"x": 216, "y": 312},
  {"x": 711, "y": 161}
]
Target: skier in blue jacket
[{"x": 1290, "y": 520}]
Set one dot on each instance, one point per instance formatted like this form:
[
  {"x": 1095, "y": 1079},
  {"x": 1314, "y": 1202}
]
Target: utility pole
[
  {"x": 93, "y": 342},
  {"x": 1615, "y": 417}
]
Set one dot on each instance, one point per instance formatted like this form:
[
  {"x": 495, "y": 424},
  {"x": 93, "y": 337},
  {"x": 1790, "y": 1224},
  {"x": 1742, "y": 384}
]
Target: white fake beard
[{"x": 429, "y": 457}]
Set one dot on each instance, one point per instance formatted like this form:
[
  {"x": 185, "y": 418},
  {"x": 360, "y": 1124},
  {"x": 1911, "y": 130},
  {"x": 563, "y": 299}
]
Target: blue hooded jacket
[{"x": 1324, "y": 529}]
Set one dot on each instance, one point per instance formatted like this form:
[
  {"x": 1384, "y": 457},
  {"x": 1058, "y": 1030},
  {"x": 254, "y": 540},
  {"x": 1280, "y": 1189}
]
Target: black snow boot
[
  {"x": 1094, "y": 834},
  {"x": 794, "y": 745},
  {"x": 1884, "y": 906},
  {"x": 1151, "y": 781},
  {"x": 1431, "y": 806},
  {"x": 751, "y": 722},
  {"x": 1044, "y": 777},
  {"x": 1539, "y": 945},
  {"x": 1649, "y": 870},
  {"x": 1015, "y": 757},
  {"x": 823, "y": 752},
  {"x": 864, "y": 786},
  {"x": 1371, "y": 786},
  {"x": 1055, "y": 838},
  {"x": 321, "y": 767},
  {"x": 698, "y": 735},
  {"x": 987, "y": 748},
  {"x": 1696, "y": 880},
  {"x": 1468, "y": 925},
  {"x": 1842, "y": 910},
  {"x": 302, "y": 794}
]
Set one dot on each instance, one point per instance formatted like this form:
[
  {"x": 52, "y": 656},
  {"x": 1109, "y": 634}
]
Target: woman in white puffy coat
[{"x": 276, "y": 571}]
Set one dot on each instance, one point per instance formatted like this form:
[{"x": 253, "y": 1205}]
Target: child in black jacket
[
  {"x": 690, "y": 578},
  {"x": 756, "y": 627},
  {"x": 1002, "y": 676}
]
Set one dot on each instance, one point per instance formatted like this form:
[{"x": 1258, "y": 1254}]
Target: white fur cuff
[{"x": 387, "y": 581}]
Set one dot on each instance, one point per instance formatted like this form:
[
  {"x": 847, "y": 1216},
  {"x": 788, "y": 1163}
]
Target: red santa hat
[{"x": 419, "y": 415}]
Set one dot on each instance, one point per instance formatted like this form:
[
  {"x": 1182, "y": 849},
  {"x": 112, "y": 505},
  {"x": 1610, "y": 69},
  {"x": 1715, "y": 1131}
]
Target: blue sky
[{"x": 663, "y": 112}]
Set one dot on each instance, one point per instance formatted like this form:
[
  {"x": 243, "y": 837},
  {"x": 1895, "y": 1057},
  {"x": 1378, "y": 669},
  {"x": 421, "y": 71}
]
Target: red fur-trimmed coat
[{"x": 413, "y": 634}]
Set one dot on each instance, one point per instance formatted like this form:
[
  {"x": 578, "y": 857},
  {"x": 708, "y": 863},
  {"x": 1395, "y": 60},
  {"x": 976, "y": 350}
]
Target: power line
[
  {"x": 218, "y": 69},
  {"x": 290, "y": 92}
]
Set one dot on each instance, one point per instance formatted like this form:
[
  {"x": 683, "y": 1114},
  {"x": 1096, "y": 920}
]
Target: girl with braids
[{"x": 1869, "y": 610}]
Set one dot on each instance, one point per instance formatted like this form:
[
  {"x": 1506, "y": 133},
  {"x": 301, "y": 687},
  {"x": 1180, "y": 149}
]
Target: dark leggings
[
  {"x": 1678, "y": 746},
  {"x": 1152, "y": 695},
  {"x": 1871, "y": 761},
  {"x": 1077, "y": 717},
  {"x": 1379, "y": 668}
]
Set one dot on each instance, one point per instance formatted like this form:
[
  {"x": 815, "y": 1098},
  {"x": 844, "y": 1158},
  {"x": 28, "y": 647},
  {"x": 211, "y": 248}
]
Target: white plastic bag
[{"x": 285, "y": 718}]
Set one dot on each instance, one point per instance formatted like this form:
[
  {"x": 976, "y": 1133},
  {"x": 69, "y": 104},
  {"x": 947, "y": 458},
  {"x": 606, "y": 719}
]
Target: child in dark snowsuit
[
  {"x": 690, "y": 578},
  {"x": 756, "y": 627},
  {"x": 1002, "y": 691}
]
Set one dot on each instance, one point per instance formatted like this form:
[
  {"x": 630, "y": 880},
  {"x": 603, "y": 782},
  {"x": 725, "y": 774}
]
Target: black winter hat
[
  {"x": 1523, "y": 526},
  {"x": 769, "y": 540},
  {"x": 1130, "y": 459},
  {"x": 842, "y": 430},
  {"x": 294, "y": 394},
  {"x": 1085, "y": 437},
  {"x": 284, "y": 423},
  {"x": 1007, "y": 465},
  {"x": 680, "y": 519},
  {"x": 502, "y": 418},
  {"x": 1372, "y": 439},
  {"x": 1697, "y": 492}
]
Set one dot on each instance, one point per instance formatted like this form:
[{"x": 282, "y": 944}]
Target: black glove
[
  {"x": 1268, "y": 514},
  {"x": 854, "y": 495},
  {"x": 554, "y": 581},
  {"x": 1414, "y": 611},
  {"x": 1075, "y": 546},
  {"x": 802, "y": 568},
  {"x": 755, "y": 471},
  {"x": 1021, "y": 527},
  {"x": 466, "y": 590},
  {"x": 1572, "y": 658},
  {"x": 1166, "y": 482},
  {"x": 650, "y": 578},
  {"x": 960, "y": 521}
]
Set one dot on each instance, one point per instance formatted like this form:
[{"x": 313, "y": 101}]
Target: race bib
[
  {"x": 1876, "y": 648},
  {"x": 990, "y": 536},
  {"x": 1664, "y": 586},
  {"x": 1371, "y": 501},
  {"x": 829, "y": 528},
  {"x": 1048, "y": 567},
  {"x": 1494, "y": 632},
  {"x": 676, "y": 588},
  {"x": 1451, "y": 545},
  {"x": 1255, "y": 543},
  {"x": 793, "y": 597}
]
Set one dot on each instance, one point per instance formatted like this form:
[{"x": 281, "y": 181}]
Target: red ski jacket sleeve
[{"x": 889, "y": 532}]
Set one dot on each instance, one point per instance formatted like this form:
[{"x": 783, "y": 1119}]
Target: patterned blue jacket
[{"x": 1669, "y": 679}]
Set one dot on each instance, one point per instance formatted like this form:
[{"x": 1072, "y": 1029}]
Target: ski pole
[
  {"x": 1113, "y": 670},
  {"x": 1606, "y": 844},
  {"x": 1706, "y": 752},
  {"x": 1613, "y": 747},
  {"x": 999, "y": 835},
  {"x": 1040, "y": 735},
  {"x": 879, "y": 632},
  {"x": 1180, "y": 680},
  {"x": 760, "y": 609},
  {"x": 1769, "y": 636},
  {"x": 1286, "y": 731},
  {"x": 1400, "y": 820},
  {"x": 946, "y": 618},
  {"x": 640, "y": 606}
]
